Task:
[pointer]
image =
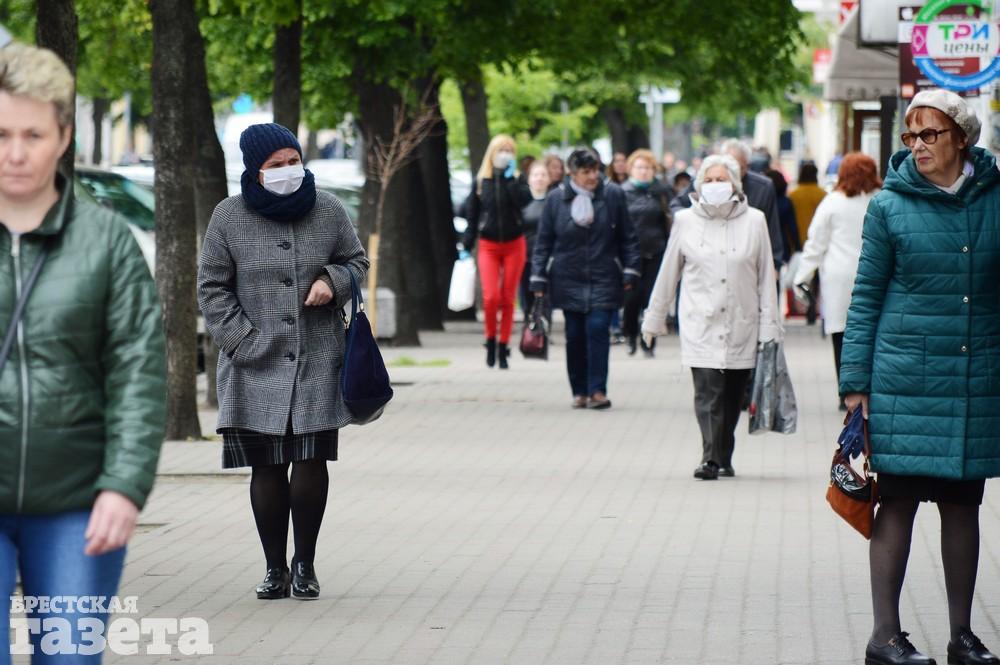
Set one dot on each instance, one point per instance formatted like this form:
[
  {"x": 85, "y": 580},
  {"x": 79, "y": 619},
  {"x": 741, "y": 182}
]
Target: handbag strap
[
  {"x": 15, "y": 319},
  {"x": 357, "y": 300}
]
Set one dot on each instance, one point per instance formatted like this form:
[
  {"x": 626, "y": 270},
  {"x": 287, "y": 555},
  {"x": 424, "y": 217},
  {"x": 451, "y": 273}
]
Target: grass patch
[{"x": 406, "y": 361}]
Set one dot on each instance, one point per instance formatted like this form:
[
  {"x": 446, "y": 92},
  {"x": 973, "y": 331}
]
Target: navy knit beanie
[{"x": 258, "y": 142}]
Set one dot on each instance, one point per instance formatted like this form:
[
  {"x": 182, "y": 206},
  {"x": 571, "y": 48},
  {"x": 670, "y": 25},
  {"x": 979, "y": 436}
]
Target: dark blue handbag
[{"x": 364, "y": 381}]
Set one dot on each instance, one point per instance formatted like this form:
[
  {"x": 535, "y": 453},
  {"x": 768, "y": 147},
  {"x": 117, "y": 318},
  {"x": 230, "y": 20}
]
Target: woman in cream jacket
[
  {"x": 834, "y": 244},
  {"x": 721, "y": 248}
]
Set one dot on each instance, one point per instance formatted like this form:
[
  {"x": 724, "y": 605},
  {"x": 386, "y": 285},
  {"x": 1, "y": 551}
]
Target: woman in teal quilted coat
[{"x": 921, "y": 357}]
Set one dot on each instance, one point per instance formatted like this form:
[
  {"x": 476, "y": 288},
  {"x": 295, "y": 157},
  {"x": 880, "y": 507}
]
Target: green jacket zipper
[{"x": 15, "y": 252}]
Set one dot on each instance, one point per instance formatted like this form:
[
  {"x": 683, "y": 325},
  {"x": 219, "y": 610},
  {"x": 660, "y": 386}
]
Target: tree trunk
[
  {"x": 56, "y": 30},
  {"x": 175, "y": 212},
  {"x": 617, "y": 128},
  {"x": 638, "y": 137},
  {"x": 288, "y": 73},
  {"x": 209, "y": 172},
  {"x": 432, "y": 161},
  {"x": 100, "y": 109},
  {"x": 312, "y": 145},
  {"x": 376, "y": 103},
  {"x": 477, "y": 124}
]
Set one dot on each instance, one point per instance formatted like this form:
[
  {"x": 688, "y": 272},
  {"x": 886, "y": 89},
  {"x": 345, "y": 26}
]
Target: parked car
[
  {"x": 137, "y": 205},
  {"x": 133, "y": 202}
]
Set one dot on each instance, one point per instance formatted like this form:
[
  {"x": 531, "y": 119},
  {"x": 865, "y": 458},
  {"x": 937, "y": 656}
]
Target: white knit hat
[{"x": 951, "y": 105}]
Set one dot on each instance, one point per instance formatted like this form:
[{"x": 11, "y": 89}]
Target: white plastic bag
[
  {"x": 788, "y": 271},
  {"x": 462, "y": 293}
]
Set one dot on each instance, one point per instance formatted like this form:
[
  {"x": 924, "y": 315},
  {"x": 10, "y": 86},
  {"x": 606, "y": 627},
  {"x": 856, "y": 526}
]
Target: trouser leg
[
  {"x": 709, "y": 409},
  {"x": 52, "y": 563},
  {"x": 736, "y": 382},
  {"x": 598, "y": 350},
  {"x": 576, "y": 351}
]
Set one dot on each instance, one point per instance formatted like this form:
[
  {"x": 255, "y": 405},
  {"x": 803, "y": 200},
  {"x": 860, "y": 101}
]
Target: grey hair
[
  {"x": 735, "y": 145},
  {"x": 719, "y": 160}
]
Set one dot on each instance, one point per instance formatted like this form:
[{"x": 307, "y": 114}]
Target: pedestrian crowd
[{"x": 907, "y": 267}]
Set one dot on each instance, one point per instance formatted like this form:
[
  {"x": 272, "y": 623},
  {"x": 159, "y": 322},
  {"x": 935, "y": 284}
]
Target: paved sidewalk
[{"x": 482, "y": 521}]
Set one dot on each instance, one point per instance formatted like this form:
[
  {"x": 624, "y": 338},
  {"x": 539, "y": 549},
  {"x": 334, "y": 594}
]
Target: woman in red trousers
[{"x": 494, "y": 215}]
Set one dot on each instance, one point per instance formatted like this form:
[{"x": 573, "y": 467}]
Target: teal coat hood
[{"x": 923, "y": 328}]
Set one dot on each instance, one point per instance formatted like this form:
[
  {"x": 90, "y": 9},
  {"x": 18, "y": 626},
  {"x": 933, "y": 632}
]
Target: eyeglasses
[{"x": 929, "y": 136}]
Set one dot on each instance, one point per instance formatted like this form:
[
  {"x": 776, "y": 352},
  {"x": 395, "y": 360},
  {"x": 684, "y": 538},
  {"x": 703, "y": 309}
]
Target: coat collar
[
  {"x": 904, "y": 177},
  {"x": 58, "y": 215},
  {"x": 569, "y": 194}
]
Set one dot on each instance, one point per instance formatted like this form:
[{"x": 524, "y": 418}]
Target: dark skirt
[
  {"x": 927, "y": 488},
  {"x": 242, "y": 447}
]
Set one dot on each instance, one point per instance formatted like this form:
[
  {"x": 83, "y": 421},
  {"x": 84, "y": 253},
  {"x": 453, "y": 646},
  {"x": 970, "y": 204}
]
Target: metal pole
[
  {"x": 887, "y": 115},
  {"x": 656, "y": 131}
]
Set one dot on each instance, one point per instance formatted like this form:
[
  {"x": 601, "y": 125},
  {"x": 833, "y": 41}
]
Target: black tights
[
  {"x": 890, "y": 548},
  {"x": 273, "y": 496}
]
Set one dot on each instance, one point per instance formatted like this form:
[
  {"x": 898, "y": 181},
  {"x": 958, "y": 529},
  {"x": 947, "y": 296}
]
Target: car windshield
[{"x": 134, "y": 203}]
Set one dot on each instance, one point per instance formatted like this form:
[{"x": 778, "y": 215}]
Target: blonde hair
[
  {"x": 38, "y": 74},
  {"x": 499, "y": 141},
  {"x": 641, "y": 153}
]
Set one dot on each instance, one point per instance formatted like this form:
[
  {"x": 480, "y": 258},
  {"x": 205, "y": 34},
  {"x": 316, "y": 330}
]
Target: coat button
[
  {"x": 965, "y": 299},
  {"x": 290, "y": 355},
  {"x": 288, "y": 281},
  {"x": 285, "y": 244},
  {"x": 964, "y": 348},
  {"x": 289, "y": 320},
  {"x": 965, "y": 249},
  {"x": 723, "y": 280}
]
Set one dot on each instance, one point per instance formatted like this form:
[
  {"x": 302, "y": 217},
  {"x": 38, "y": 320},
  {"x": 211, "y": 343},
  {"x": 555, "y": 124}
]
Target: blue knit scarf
[{"x": 287, "y": 208}]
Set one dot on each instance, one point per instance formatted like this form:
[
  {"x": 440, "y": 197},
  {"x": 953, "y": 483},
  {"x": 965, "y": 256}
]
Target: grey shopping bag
[{"x": 772, "y": 402}]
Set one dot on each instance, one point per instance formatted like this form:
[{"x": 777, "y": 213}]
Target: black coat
[
  {"x": 760, "y": 194},
  {"x": 585, "y": 268},
  {"x": 649, "y": 209},
  {"x": 493, "y": 210}
]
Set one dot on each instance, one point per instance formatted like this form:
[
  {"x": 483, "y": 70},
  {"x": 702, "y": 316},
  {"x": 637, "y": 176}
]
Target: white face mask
[
  {"x": 502, "y": 159},
  {"x": 284, "y": 180},
  {"x": 715, "y": 193}
]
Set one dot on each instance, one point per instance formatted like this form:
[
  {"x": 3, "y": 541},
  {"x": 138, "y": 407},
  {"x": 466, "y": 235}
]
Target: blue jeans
[
  {"x": 587, "y": 347},
  {"x": 48, "y": 551}
]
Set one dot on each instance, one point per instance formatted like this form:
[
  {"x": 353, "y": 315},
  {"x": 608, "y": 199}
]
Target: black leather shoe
[
  {"x": 966, "y": 649},
  {"x": 277, "y": 584},
  {"x": 305, "y": 586},
  {"x": 632, "y": 345},
  {"x": 707, "y": 471},
  {"x": 503, "y": 353},
  {"x": 899, "y": 651},
  {"x": 727, "y": 472},
  {"x": 491, "y": 352}
]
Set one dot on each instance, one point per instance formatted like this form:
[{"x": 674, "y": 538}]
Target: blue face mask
[{"x": 640, "y": 184}]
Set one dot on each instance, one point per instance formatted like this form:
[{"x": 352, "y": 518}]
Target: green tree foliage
[{"x": 115, "y": 50}]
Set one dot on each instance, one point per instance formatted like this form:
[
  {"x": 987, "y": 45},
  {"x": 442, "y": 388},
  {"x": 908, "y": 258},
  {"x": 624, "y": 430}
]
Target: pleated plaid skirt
[{"x": 242, "y": 447}]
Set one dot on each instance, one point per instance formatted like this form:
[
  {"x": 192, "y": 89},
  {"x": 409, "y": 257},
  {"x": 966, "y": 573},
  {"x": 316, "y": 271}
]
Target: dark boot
[
  {"x": 647, "y": 349},
  {"x": 502, "y": 355},
  {"x": 491, "y": 351},
  {"x": 632, "y": 345}
]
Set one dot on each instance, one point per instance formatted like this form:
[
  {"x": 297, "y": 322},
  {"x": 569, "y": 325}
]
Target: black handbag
[
  {"x": 534, "y": 336},
  {"x": 8, "y": 339},
  {"x": 364, "y": 381}
]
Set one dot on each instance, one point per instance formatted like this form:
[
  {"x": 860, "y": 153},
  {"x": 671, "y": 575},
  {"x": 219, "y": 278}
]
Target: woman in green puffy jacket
[
  {"x": 921, "y": 357},
  {"x": 82, "y": 382}
]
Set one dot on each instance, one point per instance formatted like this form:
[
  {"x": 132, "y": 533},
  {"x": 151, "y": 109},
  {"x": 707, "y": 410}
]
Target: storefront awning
[{"x": 860, "y": 74}]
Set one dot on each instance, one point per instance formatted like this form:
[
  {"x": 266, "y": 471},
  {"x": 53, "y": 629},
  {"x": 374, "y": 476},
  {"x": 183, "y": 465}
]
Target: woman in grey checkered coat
[{"x": 275, "y": 270}]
